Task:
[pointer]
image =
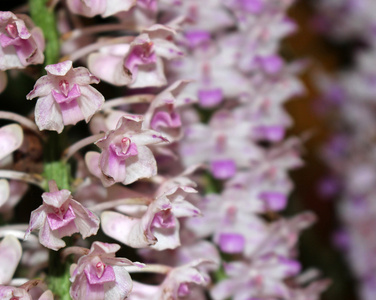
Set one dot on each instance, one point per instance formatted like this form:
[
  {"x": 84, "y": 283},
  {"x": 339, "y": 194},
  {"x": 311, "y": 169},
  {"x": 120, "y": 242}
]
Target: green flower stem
[
  {"x": 58, "y": 277},
  {"x": 44, "y": 17}
]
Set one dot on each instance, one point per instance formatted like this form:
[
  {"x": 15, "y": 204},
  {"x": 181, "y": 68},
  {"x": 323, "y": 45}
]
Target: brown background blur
[{"x": 317, "y": 249}]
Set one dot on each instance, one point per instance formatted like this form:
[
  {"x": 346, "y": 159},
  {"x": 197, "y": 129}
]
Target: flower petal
[
  {"x": 10, "y": 255},
  {"x": 11, "y": 137},
  {"x": 48, "y": 115}
]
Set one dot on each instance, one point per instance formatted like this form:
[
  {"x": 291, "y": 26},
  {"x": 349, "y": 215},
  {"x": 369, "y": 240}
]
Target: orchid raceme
[{"x": 187, "y": 165}]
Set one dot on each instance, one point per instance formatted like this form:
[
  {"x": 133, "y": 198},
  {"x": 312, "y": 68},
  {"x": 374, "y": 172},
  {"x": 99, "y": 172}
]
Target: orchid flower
[
  {"x": 59, "y": 216},
  {"x": 65, "y": 96},
  {"x": 21, "y": 43}
]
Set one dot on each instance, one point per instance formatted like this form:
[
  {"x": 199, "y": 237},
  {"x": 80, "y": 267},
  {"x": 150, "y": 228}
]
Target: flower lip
[
  {"x": 164, "y": 219},
  {"x": 124, "y": 149},
  {"x": 65, "y": 95},
  {"x": 98, "y": 272},
  {"x": 58, "y": 220}
]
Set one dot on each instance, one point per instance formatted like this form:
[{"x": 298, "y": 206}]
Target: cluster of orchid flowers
[
  {"x": 350, "y": 151},
  {"x": 200, "y": 101}
]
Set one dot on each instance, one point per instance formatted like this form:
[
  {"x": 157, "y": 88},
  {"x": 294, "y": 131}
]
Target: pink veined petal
[
  {"x": 109, "y": 68},
  {"x": 79, "y": 286},
  {"x": 37, "y": 219},
  {"x": 87, "y": 8},
  {"x": 59, "y": 69},
  {"x": 167, "y": 238},
  {"x": 99, "y": 247},
  {"x": 42, "y": 87},
  {"x": 141, "y": 166},
  {"x": 10, "y": 255},
  {"x": 124, "y": 229},
  {"x": 86, "y": 221},
  {"x": 26, "y": 51},
  {"x": 94, "y": 291},
  {"x": 56, "y": 198},
  {"x": 141, "y": 291},
  {"x": 167, "y": 49},
  {"x": 48, "y": 115},
  {"x": 150, "y": 75},
  {"x": 185, "y": 209},
  {"x": 112, "y": 166},
  {"x": 90, "y": 101},
  {"x": 48, "y": 239},
  {"x": 92, "y": 163},
  {"x": 9, "y": 59},
  {"x": 148, "y": 137},
  {"x": 116, "y": 6},
  {"x": 4, "y": 191},
  {"x": 123, "y": 284},
  {"x": 38, "y": 36},
  {"x": 11, "y": 137},
  {"x": 56, "y": 222},
  {"x": 82, "y": 76},
  {"x": 71, "y": 112},
  {"x": 66, "y": 230}
]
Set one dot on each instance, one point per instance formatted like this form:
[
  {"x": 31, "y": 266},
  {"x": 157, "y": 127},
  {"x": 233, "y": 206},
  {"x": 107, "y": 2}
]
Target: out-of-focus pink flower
[
  {"x": 125, "y": 156},
  {"x": 10, "y": 255},
  {"x": 101, "y": 275},
  {"x": 138, "y": 64},
  {"x": 180, "y": 283},
  {"x": 158, "y": 227},
  {"x": 163, "y": 113},
  {"x": 22, "y": 293},
  {"x": 65, "y": 96},
  {"x": 11, "y": 193},
  {"x": 224, "y": 144},
  {"x": 263, "y": 276},
  {"x": 11, "y": 137},
  {"x": 21, "y": 43},
  {"x": 59, "y": 216},
  {"x": 105, "y": 8}
]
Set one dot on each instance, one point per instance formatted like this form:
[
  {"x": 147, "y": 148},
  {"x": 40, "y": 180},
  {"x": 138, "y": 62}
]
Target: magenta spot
[
  {"x": 231, "y": 242},
  {"x": 223, "y": 169}
]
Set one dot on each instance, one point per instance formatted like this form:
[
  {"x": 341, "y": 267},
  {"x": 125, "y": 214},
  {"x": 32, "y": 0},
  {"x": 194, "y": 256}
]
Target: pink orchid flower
[
  {"x": 21, "y": 43},
  {"x": 65, "y": 96},
  {"x": 125, "y": 156},
  {"x": 158, "y": 227},
  {"x": 101, "y": 275},
  {"x": 59, "y": 216},
  {"x": 138, "y": 64}
]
